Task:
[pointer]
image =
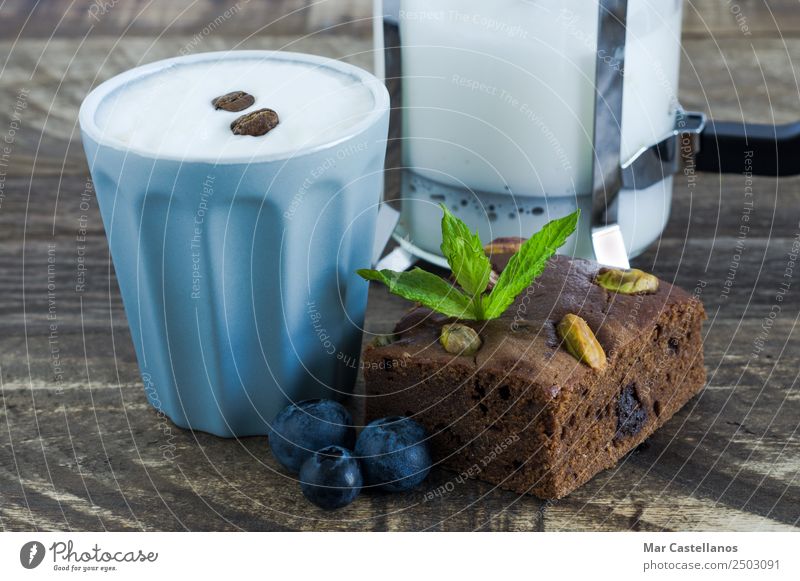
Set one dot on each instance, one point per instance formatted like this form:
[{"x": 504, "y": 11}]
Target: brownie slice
[{"x": 524, "y": 414}]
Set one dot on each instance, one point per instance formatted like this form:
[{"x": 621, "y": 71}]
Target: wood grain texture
[
  {"x": 742, "y": 19},
  {"x": 151, "y": 18},
  {"x": 81, "y": 449},
  {"x": 74, "y": 18}
]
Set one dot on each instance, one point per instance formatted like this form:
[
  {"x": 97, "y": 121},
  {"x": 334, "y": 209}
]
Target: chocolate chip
[
  {"x": 255, "y": 123},
  {"x": 480, "y": 391},
  {"x": 234, "y": 101},
  {"x": 674, "y": 345},
  {"x": 631, "y": 415}
]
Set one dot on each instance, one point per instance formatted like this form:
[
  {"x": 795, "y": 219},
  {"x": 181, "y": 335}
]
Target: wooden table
[{"x": 80, "y": 448}]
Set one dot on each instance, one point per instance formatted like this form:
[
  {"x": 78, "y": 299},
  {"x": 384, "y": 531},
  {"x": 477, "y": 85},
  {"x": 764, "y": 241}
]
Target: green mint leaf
[
  {"x": 472, "y": 269},
  {"x": 424, "y": 287},
  {"x": 464, "y": 253},
  {"x": 527, "y": 264}
]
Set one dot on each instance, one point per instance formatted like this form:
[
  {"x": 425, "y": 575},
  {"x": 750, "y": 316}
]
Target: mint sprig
[
  {"x": 471, "y": 270},
  {"x": 528, "y": 263},
  {"x": 424, "y": 287},
  {"x": 469, "y": 263}
]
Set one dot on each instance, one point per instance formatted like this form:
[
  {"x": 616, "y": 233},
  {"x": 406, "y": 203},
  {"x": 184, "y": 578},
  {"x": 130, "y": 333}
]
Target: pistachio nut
[
  {"x": 627, "y": 282},
  {"x": 580, "y": 341},
  {"x": 383, "y": 340},
  {"x": 460, "y": 339}
]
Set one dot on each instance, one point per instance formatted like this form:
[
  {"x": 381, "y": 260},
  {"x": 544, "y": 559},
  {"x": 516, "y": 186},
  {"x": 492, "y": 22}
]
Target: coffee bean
[
  {"x": 255, "y": 123},
  {"x": 234, "y": 101}
]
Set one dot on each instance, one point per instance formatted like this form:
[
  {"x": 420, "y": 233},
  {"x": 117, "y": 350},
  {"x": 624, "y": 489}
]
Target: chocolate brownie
[{"x": 522, "y": 412}]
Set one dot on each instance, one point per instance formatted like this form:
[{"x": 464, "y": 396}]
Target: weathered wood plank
[
  {"x": 738, "y": 422},
  {"x": 744, "y": 18},
  {"x": 89, "y": 453},
  {"x": 137, "y": 464},
  {"x": 722, "y": 77},
  {"x": 748, "y": 290},
  {"x": 230, "y": 18},
  {"x": 714, "y": 207},
  {"x": 246, "y": 477},
  {"x": 702, "y": 242},
  {"x": 648, "y": 503},
  {"x": 50, "y": 78},
  {"x": 737, "y": 80}
]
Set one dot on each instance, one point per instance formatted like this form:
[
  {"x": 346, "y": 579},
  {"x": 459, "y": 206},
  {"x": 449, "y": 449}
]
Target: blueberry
[
  {"x": 331, "y": 478},
  {"x": 303, "y": 428},
  {"x": 394, "y": 454}
]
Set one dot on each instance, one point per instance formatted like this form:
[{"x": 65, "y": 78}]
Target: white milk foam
[{"x": 169, "y": 113}]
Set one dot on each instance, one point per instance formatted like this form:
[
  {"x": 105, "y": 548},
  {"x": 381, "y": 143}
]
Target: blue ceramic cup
[{"x": 238, "y": 277}]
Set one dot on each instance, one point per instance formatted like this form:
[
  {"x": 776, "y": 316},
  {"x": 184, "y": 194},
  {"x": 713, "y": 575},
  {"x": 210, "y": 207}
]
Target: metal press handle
[
  {"x": 607, "y": 242},
  {"x": 738, "y": 147},
  {"x": 652, "y": 164}
]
